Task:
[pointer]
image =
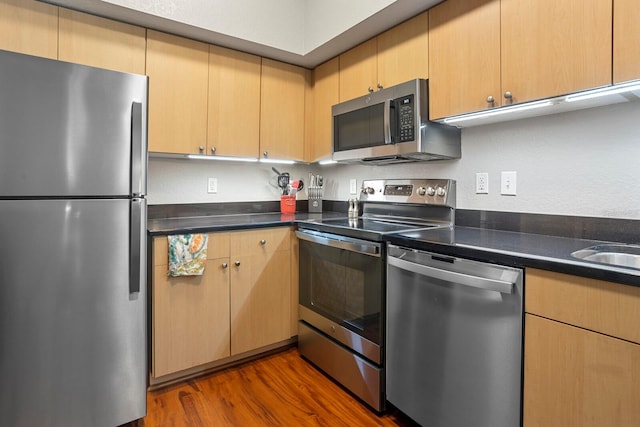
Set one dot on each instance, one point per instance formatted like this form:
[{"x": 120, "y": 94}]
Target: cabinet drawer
[
  {"x": 217, "y": 247},
  {"x": 244, "y": 243},
  {"x": 605, "y": 307}
]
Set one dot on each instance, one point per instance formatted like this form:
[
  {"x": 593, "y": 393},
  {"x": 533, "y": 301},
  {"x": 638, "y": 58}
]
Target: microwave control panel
[{"x": 406, "y": 126}]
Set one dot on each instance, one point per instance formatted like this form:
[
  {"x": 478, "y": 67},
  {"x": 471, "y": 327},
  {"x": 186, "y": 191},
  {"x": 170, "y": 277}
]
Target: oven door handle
[
  {"x": 485, "y": 283},
  {"x": 351, "y": 245}
]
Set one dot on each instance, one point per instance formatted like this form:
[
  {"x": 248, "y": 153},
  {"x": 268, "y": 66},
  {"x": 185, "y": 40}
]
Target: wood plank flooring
[{"x": 279, "y": 390}]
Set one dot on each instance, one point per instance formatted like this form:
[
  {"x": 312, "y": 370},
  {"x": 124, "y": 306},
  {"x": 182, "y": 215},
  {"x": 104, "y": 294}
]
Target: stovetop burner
[{"x": 394, "y": 206}]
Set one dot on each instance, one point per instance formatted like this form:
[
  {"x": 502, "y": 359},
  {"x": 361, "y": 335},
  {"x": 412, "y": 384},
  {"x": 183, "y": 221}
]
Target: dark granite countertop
[
  {"x": 516, "y": 249},
  {"x": 512, "y": 248}
]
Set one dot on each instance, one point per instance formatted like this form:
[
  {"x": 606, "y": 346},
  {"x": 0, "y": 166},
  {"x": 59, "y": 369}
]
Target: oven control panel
[
  {"x": 398, "y": 190},
  {"x": 440, "y": 192}
]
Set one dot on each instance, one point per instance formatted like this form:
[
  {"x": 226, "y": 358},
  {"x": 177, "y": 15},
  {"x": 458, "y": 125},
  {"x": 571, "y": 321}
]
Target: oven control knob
[
  {"x": 368, "y": 190},
  {"x": 430, "y": 191},
  {"x": 421, "y": 191},
  {"x": 440, "y": 192}
]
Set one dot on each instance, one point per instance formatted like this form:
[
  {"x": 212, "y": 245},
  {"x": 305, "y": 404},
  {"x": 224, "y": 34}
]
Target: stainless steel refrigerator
[{"x": 72, "y": 244}]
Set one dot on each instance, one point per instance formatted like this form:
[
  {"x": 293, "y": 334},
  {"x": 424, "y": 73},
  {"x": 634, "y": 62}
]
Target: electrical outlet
[
  {"x": 508, "y": 183},
  {"x": 353, "y": 186},
  {"x": 212, "y": 185},
  {"x": 482, "y": 183}
]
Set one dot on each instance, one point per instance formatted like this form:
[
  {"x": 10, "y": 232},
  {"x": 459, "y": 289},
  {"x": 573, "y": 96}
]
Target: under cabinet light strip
[
  {"x": 499, "y": 111},
  {"x": 277, "y": 161},
  {"x": 225, "y": 158},
  {"x": 610, "y": 90}
]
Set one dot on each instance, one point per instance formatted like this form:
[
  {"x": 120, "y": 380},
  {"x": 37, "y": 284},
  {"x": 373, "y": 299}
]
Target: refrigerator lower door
[{"x": 73, "y": 334}]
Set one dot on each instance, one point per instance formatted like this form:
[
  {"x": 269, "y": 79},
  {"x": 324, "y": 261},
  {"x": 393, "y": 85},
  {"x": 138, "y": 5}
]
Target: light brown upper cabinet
[
  {"x": 29, "y": 27},
  {"x": 552, "y": 47},
  {"x": 178, "y": 77},
  {"x": 325, "y": 94},
  {"x": 98, "y": 42},
  {"x": 234, "y": 103},
  {"x": 464, "y": 56},
  {"x": 486, "y": 53},
  {"x": 626, "y": 40},
  {"x": 403, "y": 52},
  {"x": 393, "y": 57},
  {"x": 282, "y": 110}
]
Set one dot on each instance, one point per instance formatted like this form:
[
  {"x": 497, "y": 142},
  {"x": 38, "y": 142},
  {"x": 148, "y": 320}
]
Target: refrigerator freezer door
[
  {"x": 67, "y": 130},
  {"x": 73, "y": 334}
]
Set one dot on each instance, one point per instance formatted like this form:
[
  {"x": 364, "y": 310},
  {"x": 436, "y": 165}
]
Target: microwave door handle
[{"x": 387, "y": 122}]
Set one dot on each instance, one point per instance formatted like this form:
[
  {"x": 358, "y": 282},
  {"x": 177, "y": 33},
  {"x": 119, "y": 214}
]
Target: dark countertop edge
[
  {"x": 522, "y": 260},
  {"x": 169, "y": 226}
]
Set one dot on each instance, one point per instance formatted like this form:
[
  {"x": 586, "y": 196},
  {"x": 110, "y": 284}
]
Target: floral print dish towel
[{"x": 187, "y": 254}]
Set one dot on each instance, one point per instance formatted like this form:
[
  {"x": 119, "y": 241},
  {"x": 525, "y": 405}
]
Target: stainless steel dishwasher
[{"x": 454, "y": 339}]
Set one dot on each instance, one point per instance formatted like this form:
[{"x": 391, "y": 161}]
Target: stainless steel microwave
[{"x": 391, "y": 126}]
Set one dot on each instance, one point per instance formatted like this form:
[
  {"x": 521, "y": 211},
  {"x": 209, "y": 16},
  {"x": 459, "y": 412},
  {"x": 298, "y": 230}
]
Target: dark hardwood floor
[{"x": 279, "y": 390}]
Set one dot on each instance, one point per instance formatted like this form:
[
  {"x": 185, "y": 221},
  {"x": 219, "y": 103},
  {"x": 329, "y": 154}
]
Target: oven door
[{"x": 341, "y": 289}]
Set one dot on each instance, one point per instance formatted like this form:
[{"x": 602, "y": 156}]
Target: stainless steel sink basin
[{"x": 619, "y": 255}]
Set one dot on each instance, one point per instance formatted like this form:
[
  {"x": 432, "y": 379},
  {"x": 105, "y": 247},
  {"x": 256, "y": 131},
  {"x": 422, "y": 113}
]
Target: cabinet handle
[
  {"x": 380, "y": 86},
  {"x": 491, "y": 101},
  {"x": 263, "y": 242},
  {"x": 225, "y": 265},
  {"x": 265, "y": 154},
  {"x": 509, "y": 97},
  {"x": 201, "y": 149},
  {"x": 237, "y": 263},
  {"x": 213, "y": 150},
  {"x": 370, "y": 89}
]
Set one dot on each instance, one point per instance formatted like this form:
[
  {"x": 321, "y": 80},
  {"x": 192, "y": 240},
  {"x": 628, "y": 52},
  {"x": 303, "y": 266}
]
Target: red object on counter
[{"x": 288, "y": 203}]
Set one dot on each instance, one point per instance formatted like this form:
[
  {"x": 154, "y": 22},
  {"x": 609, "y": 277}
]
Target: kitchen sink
[{"x": 619, "y": 255}]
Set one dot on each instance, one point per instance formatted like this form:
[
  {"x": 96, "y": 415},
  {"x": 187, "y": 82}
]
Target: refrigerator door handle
[
  {"x": 138, "y": 150},
  {"x": 135, "y": 250}
]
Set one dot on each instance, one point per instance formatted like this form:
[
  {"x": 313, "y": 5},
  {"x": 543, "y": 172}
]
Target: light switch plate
[
  {"x": 212, "y": 185},
  {"x": 353, "y": 187},
  {"x": 508, "y": 183}
]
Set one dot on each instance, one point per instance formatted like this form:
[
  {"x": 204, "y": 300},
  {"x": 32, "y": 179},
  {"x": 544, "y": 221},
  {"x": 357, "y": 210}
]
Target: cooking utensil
[{"x": 283, "y": 182}]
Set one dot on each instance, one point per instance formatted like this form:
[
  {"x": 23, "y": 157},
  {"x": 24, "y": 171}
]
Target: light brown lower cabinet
[
  {"x": 240, "y": 306},
  {"x": 581, "y": 355}
]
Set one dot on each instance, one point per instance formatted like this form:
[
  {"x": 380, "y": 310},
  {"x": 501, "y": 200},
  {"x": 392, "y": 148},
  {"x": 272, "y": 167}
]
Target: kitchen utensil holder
[
  {"x": 315, "y": 194},
  {"x": 288, "y": 204}
]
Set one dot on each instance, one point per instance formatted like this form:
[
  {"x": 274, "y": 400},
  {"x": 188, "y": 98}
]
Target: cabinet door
[
  {"x": 29, "y": 27},
  {"x": 575, "y": 377},
  {"x": 552, "y": 47},
  {"x": 626, "y": 40},
  {"x": 178, "y": 76},
  {"x": 190, "y": 315},
  {"x": 260, "y": 288},
  {"x": 98, "y": 42},
  {"x": 282, "y": 110},
  {"x": 464, "y": 56},
  {"x": 359, "y": 70},
  {"x": 234, "y": 103},
  {"x": 403, "y": 52},
  {"x": 326, "y": 94}
]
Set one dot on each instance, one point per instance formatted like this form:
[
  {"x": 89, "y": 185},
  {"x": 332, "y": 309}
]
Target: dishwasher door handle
[{"x": 453, "y": 277}]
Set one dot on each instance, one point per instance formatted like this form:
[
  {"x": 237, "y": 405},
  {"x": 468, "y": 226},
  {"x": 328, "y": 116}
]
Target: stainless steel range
[{"x": 343, "y": 279}]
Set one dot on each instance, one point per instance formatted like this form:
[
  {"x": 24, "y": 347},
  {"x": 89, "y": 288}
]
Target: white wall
[{"x": 584, "y": 163}]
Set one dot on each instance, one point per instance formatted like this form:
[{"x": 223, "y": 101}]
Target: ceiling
[{"x": 301, "y": 32}]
